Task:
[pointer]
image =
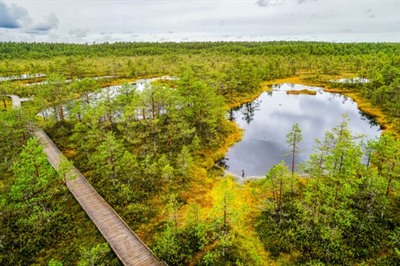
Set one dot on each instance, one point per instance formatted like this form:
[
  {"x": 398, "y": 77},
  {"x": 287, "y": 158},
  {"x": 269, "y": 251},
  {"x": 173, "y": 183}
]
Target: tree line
[{"x": 12, "y": 50}]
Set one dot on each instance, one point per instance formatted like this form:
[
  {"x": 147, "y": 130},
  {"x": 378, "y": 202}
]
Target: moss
[
  {"x": 8, "y": 104},
  {"x": 242, "y": 99},
  {"x": 297, "y": 92}
]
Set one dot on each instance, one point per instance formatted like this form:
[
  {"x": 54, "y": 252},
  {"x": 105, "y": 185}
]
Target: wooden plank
[{"x": 129, "y": 248}]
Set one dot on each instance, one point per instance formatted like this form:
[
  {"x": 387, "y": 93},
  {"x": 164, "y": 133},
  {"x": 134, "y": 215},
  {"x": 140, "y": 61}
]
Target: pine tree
[{"x": 293, "y": 138}]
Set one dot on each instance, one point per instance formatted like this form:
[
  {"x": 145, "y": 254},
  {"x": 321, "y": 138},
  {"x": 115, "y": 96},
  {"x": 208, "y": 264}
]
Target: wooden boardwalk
[
  {"x": 16, "y": 100},
  {"x": 126, "y": 245}
]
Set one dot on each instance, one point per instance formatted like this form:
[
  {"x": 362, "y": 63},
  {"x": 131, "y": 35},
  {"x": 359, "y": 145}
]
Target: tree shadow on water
[{"x": 248, "y": 110}]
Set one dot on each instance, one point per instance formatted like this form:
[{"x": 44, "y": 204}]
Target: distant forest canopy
[
  {"x": 233, "y": 69},
  {"x": 22, "y": 50}
]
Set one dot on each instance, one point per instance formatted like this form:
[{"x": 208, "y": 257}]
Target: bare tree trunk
[
  {"x": 61, "y": 111},
  {"x": 388, "y": 187},
  {"x": 4, "y": 102}
]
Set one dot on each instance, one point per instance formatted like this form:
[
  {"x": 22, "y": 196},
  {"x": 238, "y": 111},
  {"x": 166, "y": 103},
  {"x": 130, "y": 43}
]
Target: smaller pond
[
  {"x": 22, "y": 76},
  {"x": 138, "y": 85},
  {"x": 109, "y": 93},
  {"x": 351, "y": 80},
  {"x": 268, "y": 119},
  {"x": 69, "y": 80}
]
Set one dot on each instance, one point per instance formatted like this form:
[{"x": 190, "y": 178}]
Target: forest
[{"x": 156, "y": 154}]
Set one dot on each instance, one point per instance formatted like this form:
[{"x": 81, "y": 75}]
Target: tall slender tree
[{"x": 293, "y": 138}]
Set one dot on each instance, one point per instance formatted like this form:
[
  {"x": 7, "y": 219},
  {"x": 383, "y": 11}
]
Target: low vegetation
[
  {"x": 305, "y": 91},
  {"x": 155, "y": 155}
]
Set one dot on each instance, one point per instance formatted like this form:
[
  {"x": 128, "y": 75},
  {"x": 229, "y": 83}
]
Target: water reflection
[
  {"x": 248, "y": 109},
  {"x": 267, "y": 120},
  {"x": 370, "y": 119},
  {"x": 22, "y": 76},
  {"x": 351, "y": 80},
  {"x": 106, "y": 94}
]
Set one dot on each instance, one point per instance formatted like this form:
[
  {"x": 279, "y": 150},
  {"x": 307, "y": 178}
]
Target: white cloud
[
  {"x": 16, "y": 19},
  {"x": 266, "y": 3},
  {"x": 12, "y": 16},
  {"x": 50, "y": 22},
  {"x": 79, "y": 33},
  {"x": 191, "y": 20}
]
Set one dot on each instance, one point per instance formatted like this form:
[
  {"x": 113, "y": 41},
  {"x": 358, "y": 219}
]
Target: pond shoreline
[
  {"x": 363, "y": 104},
  {"x": 268, "y": 137}
]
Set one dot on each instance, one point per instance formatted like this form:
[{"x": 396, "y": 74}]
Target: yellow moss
[
  {"x": 24, "y": 82},
  {"x": 235, "y": 135},
  {"x": 69, "y": 153},
  {"x": 288, "y": 259},
  {"x": 8, "y": 104},
  {"x": 297, "y": 92},
  {"x": 242, "y": 209},
  {"x": 304, "y": 78},
  {"x": 201, "y": 183},
  {"x": 295, "y": 79},
  {"x": 242, "y": 99}
]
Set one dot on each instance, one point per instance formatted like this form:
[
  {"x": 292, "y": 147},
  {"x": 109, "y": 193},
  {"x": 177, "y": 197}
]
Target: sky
[{"x": 97, "y": 21}]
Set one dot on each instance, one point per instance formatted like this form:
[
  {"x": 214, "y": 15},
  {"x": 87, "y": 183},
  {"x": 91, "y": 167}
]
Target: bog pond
[
  {"x": 106, "y": 93},
  {"x": 267, "y": 120}
]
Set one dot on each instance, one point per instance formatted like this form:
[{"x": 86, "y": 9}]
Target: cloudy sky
[{"x": 88, "y": 21}]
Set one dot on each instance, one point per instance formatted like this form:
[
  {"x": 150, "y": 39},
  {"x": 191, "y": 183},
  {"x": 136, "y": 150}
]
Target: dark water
[{"x": 267, "y": 120}]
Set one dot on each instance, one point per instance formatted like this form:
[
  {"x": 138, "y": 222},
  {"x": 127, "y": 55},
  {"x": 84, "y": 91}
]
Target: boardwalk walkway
[
  {"x": 16, "y": 100},
  {"x": 126, "y": 245}
]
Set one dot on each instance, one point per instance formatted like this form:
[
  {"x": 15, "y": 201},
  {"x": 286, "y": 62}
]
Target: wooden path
[
  {"x": 16, "y": 100},
  {"x": 126, "y": 245}
]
